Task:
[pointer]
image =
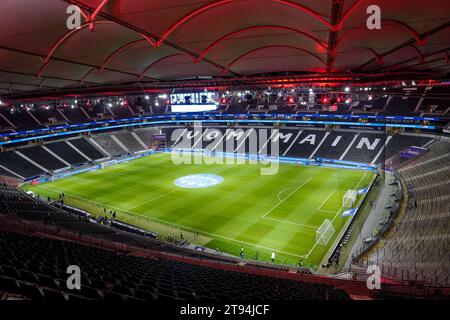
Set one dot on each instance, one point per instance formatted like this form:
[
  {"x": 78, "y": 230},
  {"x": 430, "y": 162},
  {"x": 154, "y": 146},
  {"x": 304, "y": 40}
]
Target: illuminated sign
[{"x": 193, "y": 107}]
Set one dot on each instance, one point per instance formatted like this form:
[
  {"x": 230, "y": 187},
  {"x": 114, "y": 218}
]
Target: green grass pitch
[{"x": 264, "y": 213}]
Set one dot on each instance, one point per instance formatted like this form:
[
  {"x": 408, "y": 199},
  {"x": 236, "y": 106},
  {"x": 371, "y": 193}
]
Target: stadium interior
[{"x": 226, "y": 150}]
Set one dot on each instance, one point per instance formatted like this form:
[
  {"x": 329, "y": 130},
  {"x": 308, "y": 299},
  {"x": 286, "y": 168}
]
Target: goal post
[
  {"x": 324, "y": 232},
  {"x": 105, "y": 164},
  {"x": 349, "y": 198}
]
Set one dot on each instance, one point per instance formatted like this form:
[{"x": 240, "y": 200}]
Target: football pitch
[{"x": 277, "y": 213}]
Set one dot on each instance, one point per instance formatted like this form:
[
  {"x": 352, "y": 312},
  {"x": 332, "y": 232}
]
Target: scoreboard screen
[
  {"x": 193, "y": 102},
  {"x": 194, "y": 107}
]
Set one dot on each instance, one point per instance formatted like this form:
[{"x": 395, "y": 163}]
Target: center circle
[{"x": 195, "y": 181}]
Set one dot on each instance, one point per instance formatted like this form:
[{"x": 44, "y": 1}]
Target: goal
[
  {"x": 349, "y": 198},
  {"x": 325, "y": 232},
  {"x": 107, "y": 163}
]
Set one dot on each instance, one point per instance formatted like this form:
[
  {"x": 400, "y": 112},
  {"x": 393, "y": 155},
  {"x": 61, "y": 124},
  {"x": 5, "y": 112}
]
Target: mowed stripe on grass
[{"x": 231, "y": 212}]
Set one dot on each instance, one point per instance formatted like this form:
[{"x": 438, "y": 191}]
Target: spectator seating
[
  {"x": 376, "y": 104},
  {"x": 66, "y": 152},
  {"x": 87, "y": 149},
  {"x": 147, "y": 109},
  {"x": 399, "y": 143},
  {"x": 146, "y": 135},
  {"x": 308, "y": 143},
  {"x": 121, "y": 112},
  {"x": 417, "y": 250},
  {"x": 386, "y": 147},
  {"x": 401, "y": 105},
  {"x": 17, "y": 203},
  {"x": 48, "y": 116},
  {"x": 20, "y": 118},
  {"x": 6, "y": 173},
  {"x": 42, "y": 157},
  {"x": 284, "y": 109},
  {"x": 107, "y": 143},
  {"x": 75, "y": 115},
  {"x": 343, "y": 108},
  {"x": 136, "y": 107},
  {"x": 340, "y": 140},
  {"x": 19, "y": 165},
  {"x": 97, "y": 111},
  {"x": 4, "y": 124},
  {"x": 429, "y": 100},
  {"x": 236, "y": 108},
  {"x": 36, "y": 267},
  {"x": 434, "y": 105},
  {"x": 129, "y": 141},
  {"x": 366, "y": 147}
]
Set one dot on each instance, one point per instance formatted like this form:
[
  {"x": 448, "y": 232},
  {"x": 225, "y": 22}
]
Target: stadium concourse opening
[{"x": 217, "y": 150}]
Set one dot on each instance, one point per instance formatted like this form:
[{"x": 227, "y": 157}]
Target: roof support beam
[
  {"x": 96, "y": 11},
  {"x": 67, "y": 35},
  {"x": 32, "y": 75},
  {"x": 336, "y": 11},
  {"x": 157, "y": 61},
  {"x": 408, "y": 42},
  {"x": 419, "y": 38},
  {"x": 146, "y": 33},
  {"x": 116, "y": 52},
  {"x": 243, "y": 30},
  {"x": 347, "y": 14},
  {"x": 219, "y": 3},
  {"x": 275, "y": 46},
  {"x": 419, "y": 53},
  {"x": 426, "y": 55},
  {"x": 28, "y": 84},
  {"x": 39, "y": 56},
  {"x": 377, "y": 56}
]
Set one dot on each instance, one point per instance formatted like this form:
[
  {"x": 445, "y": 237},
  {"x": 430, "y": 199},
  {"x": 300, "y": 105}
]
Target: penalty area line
[
  {"x": 325, "y": 201},
  {"x": 334, "y": 218},
  {"x": 294, "y": 223},
  {"x": 289, "y": 195},
  {"x": 283, "y": 191},
  {"x": 326, "y": 211}
]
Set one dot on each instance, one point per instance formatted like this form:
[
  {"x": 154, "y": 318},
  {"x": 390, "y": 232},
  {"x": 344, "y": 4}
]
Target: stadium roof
[{"x": 150, "y": 44}]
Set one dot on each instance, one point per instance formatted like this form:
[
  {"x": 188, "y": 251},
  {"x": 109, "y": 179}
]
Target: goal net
[
  {"x": 349, "y": 198},
  {"x": 325, "y": 232},
  {"x": 108, "y": 163}
]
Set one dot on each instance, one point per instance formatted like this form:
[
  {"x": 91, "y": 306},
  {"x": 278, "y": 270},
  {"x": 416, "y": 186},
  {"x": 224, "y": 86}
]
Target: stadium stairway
[
  {"x": 128, "y": 140},
  {"x": 35, "y": 268},
  {"x": 109, "y": 145},
  {"x": 86, "y": 148},
  {"x": 66, "y": 152},
  {"x": 43, "y": 158},
  {"x": 18, "y": 165}
]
